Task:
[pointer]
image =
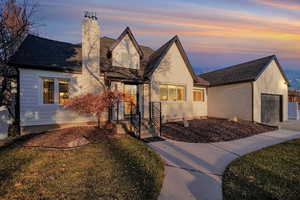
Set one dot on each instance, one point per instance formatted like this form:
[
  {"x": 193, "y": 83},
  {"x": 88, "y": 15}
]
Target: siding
[
  {"x": 173, "y": 70},
  {"x": 231, "y": 101},
  {"x": 33, "y": 112},
  {"x": 270, "y": 82},
  {"x": 126, "y": 55}
]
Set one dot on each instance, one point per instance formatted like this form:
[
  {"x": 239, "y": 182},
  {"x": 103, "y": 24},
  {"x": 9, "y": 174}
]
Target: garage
[
  {"x": 254, "y": 91},
  {"x": 271, "y": 108}
]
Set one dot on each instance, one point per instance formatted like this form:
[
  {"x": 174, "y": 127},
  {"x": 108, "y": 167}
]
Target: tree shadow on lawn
[
  {"x": 142, "y": 180},
  {"x": 13, "y": 162},
  {"x": 257, "y": 183}
]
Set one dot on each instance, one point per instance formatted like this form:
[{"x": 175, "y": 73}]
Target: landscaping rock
[{"x": 78, "y": 142}]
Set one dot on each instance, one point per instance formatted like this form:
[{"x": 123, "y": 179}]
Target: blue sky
[{"x": 215, "y": 33}]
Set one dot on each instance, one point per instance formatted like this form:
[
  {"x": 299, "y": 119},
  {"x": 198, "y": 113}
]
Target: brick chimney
[{"x": 91, "y": 44}]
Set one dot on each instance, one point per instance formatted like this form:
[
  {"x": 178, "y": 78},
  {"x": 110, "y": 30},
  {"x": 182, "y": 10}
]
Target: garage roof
[{"x": 245, "y": 72}]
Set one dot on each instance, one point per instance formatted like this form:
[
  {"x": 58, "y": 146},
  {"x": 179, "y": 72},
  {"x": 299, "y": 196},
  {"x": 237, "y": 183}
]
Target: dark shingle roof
[
  {"x": 38, "y": 52},
  {"x": 245, "y": 72},
  {"x": 45, "y": 54},
  {"x": 41, "y": 53}
]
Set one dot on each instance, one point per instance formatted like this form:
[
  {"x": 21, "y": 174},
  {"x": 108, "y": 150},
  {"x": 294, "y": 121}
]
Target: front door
[{"x": 130, "y": 91}]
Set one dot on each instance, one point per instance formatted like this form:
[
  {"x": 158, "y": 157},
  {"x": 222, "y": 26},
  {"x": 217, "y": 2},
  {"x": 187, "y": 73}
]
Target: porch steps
[{"x": 147, "y": 130}]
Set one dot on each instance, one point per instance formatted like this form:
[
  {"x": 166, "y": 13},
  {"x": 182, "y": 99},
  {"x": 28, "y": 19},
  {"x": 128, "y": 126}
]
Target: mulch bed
[
  {"x": 67, "y": 138},
  {"x": 212, "y": 130}
]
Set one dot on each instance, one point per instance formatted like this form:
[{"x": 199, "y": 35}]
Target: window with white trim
[
  {"x": 198, "y": 95},
  {"x": 63, "y": 89},
  {"x": 172, "y": 93},
  {"x": 48, "y": 91},
  {"x": 55, "y": 91}
]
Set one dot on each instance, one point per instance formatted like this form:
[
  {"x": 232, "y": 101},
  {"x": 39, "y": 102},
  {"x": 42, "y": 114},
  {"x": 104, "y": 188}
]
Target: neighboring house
[
  {"x": 294, "y": 104},
  {"x": 50, "y": 72},
  {"x": 294, "y": 96},
  {"x": 255, "y": 90}
]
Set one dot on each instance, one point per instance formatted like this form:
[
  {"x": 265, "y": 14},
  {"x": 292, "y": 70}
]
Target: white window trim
[
  {"x": 178, "y": 85},
  {"x": 204, "y": 94},
  {"x": 56, "y": 90}
]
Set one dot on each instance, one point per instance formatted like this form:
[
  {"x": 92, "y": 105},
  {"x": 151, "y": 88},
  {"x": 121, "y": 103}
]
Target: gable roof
[
  {"x": 45, "y": 54},
  {"x": 128, "y": 32},
  {"x": 157, "y": 57},
  {"x": 244, "y": 72},
  {"x": 40, "y": 53}
]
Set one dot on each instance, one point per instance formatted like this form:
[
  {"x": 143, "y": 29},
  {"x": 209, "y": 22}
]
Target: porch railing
[{"x": 134, "y": 117}]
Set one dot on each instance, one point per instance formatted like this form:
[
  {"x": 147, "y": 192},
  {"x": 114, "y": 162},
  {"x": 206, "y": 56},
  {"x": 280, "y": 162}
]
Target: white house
[{"x": 50, "y": 72}]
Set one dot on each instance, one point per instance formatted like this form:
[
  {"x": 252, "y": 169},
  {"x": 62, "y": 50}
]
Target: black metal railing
[
  {"x": 130, "y": 113},
  {"x": 156, "y": 117},
  {"x": 136, "y": 121}
]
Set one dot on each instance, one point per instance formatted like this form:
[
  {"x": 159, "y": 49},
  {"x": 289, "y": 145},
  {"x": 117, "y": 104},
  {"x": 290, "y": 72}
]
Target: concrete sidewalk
[{"x": 194, "y": 170}]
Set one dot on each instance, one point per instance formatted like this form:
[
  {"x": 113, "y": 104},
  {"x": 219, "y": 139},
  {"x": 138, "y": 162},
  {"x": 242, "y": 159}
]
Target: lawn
[
  {"x": 212, "y": 130},
  {"x": 123, "y": 168},
  {"x": 271, "y": 173}
]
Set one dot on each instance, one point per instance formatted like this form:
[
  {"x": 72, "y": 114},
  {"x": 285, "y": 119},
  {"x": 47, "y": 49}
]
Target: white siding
[
  {"x": 126, "y": 55},
  {"x": 32, "y": 109},
  {"x": 230, "y": 101},
  {"x": 270, "y": 82},
  {"x": 173, "y": 70}
]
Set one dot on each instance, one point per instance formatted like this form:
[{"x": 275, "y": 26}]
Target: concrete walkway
[{"x": 194, "y": 170}]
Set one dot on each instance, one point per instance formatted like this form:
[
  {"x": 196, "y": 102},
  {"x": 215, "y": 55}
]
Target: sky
[{"x": 215, "y": 34}]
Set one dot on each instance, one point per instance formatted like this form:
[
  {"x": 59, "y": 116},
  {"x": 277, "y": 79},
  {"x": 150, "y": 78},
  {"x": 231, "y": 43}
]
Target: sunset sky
[{"x": 214, "y": 33}]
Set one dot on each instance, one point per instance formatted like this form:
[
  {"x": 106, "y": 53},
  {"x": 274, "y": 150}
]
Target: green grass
[
  {"x": 270, "y": 173},
  {"x": 114, "y": 169}
]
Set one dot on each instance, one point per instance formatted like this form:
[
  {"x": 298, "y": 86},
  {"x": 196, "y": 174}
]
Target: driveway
[
  {"x": 194, "y": 170},
  {"x": 293, "y": 125}
]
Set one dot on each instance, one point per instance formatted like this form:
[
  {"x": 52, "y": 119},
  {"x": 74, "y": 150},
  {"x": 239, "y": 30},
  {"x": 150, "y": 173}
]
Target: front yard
[
  {"x": 109, "y": 168},
  {"x": 271, "y": 173},
  {"x": 212, "y": 130}
]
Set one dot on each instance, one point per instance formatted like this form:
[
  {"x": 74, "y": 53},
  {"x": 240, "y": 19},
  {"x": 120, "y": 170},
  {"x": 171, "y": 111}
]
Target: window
[
  {"x": 172, "y": 93},
  {"x": 180, "y": 93},
  {"x": 55, "y": 91},
  {"x": 48, "y": 91},
  {"x": 63, "y": 86},
  {"x": 198, "y": 95},
  {"x": 164, "y": 92}
]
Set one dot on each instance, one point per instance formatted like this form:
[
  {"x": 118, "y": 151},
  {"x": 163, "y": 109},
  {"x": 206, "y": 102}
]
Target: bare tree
[{"x": 16, "y": 20}]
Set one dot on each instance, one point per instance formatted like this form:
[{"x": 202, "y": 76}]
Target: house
[
  {"x": 255, "y": 91},
  {"x": 294, "y": 96},
  {"x": 50, "y": 72}
]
